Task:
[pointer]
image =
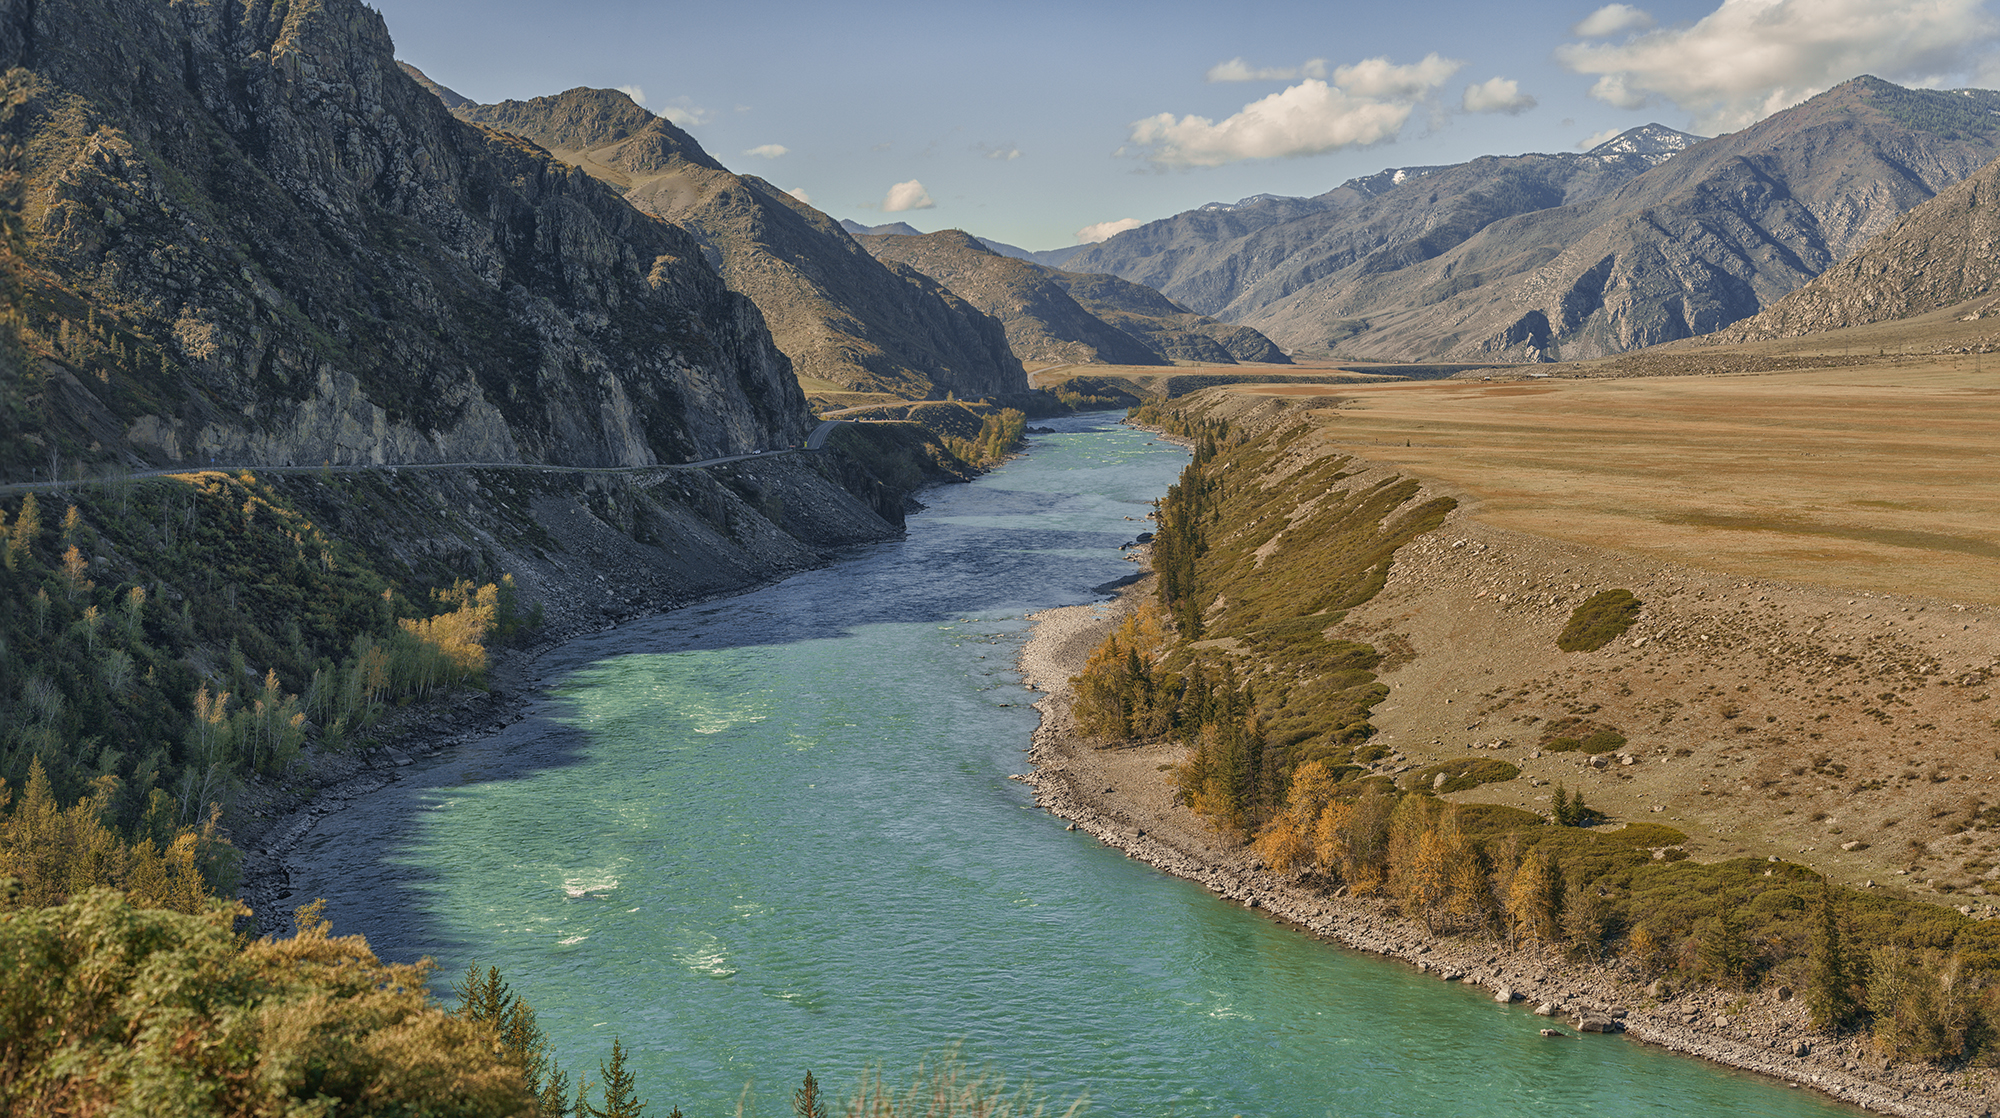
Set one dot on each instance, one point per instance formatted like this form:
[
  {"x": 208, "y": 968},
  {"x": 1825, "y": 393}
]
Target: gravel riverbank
[{"x": 1121, "y": 795}]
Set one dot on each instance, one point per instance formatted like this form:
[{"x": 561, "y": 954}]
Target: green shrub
[
  {"x": 1599, "y": 621},
  {"x": 1580, "y": 735},
  {"x": 1461, "y": 775}
]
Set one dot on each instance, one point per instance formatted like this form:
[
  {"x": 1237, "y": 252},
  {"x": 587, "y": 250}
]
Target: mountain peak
[{"x": 1656, "y": 142}]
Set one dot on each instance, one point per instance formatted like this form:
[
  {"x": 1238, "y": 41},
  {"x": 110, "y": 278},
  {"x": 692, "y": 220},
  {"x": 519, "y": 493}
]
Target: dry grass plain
[
  {"x": 1818, "y": 551},
  {"x": 1851, "y": 477}
]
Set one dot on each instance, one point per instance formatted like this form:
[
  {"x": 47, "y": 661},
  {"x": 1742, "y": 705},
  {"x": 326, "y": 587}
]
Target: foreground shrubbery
[{"x": 1259, "y": 556}]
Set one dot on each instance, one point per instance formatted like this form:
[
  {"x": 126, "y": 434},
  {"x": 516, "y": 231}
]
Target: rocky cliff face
[
  {"x": 846, "y": 321},
  {"x": 1940, "y": 254},
  {"x": 251, "y": 236}
]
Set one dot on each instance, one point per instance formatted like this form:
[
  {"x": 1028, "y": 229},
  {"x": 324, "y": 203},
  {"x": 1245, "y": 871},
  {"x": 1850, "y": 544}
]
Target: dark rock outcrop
[{"x": 273, "y": 245}]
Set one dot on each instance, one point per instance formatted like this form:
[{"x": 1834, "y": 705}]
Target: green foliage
[
  {"x": 1571, "y": 811},
  {"x": 176, "y": 635},
  {"x": 1599, "y": 621},
  {"x": 1830, "y": 971},
  {"x": 1572, "y": 735},
  {"x": 1460, "y": 775},
  {"x": 110, "y": 1008},
  {"x": 999, "y": 435},
  {"x": 621, "y": 1098},
  {"x": 1261, "y": 554}
]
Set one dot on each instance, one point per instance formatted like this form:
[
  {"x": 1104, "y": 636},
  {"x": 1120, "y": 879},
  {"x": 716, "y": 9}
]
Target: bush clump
[
  {"x": 1580, "y": 735},
  {"x": 1461, "y": 775},
  {"x": 1599, "y": 621}
]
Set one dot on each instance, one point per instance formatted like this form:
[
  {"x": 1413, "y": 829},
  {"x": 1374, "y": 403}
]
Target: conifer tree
[
  {"x": 1829, "y": 971},
  {"x": 806, "y": 1102},
  {"x": 1723, "y": 953},
  {"x": 621, "y": 1098}
]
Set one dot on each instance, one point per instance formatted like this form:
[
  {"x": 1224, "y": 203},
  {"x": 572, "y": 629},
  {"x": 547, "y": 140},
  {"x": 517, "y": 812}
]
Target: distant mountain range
[
  {"x": 846, "y": 321},
  {"x": 1651, "y": 236},
  {"x": 1054, "y": 317}
]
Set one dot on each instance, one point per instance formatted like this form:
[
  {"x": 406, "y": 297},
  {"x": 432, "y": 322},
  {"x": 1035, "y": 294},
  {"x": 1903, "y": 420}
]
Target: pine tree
[
  {"x": 620, "y": 1088},
  {"x": 1724, "y": 955},
  {"x": 806, "y": 1101},
  {"x": 1829, "y": 971},
  {"x": 522, "y": 1043}
]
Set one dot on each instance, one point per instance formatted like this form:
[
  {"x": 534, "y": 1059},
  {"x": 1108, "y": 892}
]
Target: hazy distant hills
[
  {"x": 845, "y": 320},
  {"x": 1940, "y": 254},
  {"x": 1540, "y": 257},
  {"x": 1058, "y": 317}
]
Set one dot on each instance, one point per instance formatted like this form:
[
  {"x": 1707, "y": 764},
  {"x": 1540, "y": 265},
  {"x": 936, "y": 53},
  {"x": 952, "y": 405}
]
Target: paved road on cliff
[{"x": 814, "y": 441}]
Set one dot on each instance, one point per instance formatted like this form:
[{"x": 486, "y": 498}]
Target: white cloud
[
  {"x": 1378, "y": 77},
  {"x": 1596, "y": 138},
  {"x": 799, "y": 192},
  {"x": 1750, "y": 58},
  {"x": 637, "y": 95},
  {"x": 907, "y": 196},
  {"x": 1105, "y": 230},
  {"x": 767, "y": 151},
  {"x": 1497, "y": 95},
  {"x": 1366, "y": 103},
  {"x": 686, "y": 114},
  {"x": 1008, "y": 153},
  {"x": 1237, "y": 70},
  {"x": 1610, "y": 20}
]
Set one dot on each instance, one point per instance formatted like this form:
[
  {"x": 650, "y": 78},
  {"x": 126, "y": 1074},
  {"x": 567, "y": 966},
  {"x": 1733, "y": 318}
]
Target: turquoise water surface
[{"x": 776, "y": 832}]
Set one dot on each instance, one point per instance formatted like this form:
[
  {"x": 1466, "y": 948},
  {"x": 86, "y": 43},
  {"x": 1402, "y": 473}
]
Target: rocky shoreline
[{"x": 1119, "y": 795}]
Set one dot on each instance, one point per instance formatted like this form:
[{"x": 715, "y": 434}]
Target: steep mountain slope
[
  {"x": 1938, "y": 255},
  {"x": 1044, "y": 324},
  {"x": 1230, "y": 259},
  {"x": 1057, "y": 317},
  {"x": 839, "y": 315},
  {"x": 1703, "y": 240},
  {"x": 272, "y": 245},
  {"x": 1540, "y": 257}
]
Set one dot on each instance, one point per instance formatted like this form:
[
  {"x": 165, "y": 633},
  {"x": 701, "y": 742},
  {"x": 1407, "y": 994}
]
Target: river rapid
[{"x": 776, "y": 832}]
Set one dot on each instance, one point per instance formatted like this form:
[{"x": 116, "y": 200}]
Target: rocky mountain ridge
[
  {"x": 1940, "y": 254},
  {"x": 257, "y": 239},
  {"x": 1541, "y": 257},
  {"x": 846, "y": 321}
]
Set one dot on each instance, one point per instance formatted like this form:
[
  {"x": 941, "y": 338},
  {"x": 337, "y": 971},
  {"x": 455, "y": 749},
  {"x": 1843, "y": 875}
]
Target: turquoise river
[{"x": 775, "y": 832}]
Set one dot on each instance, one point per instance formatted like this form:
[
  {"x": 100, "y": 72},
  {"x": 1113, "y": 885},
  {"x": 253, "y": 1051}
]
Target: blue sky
[{"x": 1035, "y": 121}]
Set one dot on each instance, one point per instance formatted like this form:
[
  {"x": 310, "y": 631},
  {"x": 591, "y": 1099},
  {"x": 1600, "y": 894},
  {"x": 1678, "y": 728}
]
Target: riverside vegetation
[{"x": 1261, "y": 548}]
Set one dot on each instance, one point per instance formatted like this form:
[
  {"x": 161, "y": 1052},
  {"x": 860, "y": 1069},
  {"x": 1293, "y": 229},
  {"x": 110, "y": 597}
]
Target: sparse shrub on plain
[{"x": 1599, "y": 621}]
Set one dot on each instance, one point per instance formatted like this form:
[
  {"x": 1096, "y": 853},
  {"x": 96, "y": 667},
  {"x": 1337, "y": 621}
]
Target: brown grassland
[{"x": 1817, "y": 553}]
